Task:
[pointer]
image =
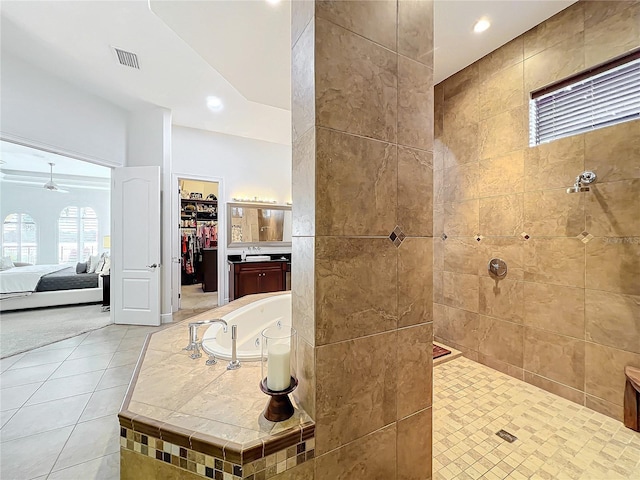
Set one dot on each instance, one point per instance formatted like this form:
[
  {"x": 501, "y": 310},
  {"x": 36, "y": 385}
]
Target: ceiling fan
[{"x": 51, "y": 185}]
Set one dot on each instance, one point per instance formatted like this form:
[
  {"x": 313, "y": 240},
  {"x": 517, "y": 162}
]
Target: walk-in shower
[{"x": 585, "y": 178}]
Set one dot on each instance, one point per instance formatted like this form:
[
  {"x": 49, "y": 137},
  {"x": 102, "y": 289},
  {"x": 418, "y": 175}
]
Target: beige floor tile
[
  {"x": 68, "y": 343},
  {"x": 90, "y": 440},
  {"x": 92, "y": 349},
  {"x": 111, "y": 333},
  {"x": 6, "y": 415},
  {"x": 126, "y": 357},
  {"x": 6, "y": 363},
  {"x": 557, "y": 439},
  {"x": 94, "y": 363},
  {"x": 23, "y": 376},
  {"x": 66, "y": 387},
  {"x": 15, "y": 397},
  {"x": 32, "y": 456},
  {"x": 103, "y": 468},
  {"x": 44, "y": 417},
  {"x": 103, "y": 403},
  {"x": 34, "y": 358},
  {"x": 117, "y": 376},
  {"x": 114, "y": 351}
]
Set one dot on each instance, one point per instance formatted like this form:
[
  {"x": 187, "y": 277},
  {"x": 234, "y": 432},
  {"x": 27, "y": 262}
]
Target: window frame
[
  {"x": 580, "y": 80},
  {"x": 80, "y": 234},
  {"x": 20, "y": 243}
]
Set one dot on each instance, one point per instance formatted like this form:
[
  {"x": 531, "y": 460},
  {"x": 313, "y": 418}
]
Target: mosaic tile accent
[
  {"x": 208, "y": 466},
  {"x": 556, "y": 439},
  {"x": 479, "y": 237},
  {"x": 443, "y": 237},
  {"x": 397, "y": 236},
  {"x": 584, "y": 237},
  {"x": 525, "y": 236}
]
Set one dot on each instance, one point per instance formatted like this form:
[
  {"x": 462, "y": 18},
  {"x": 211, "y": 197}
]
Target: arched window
[
  {"x": 77, "y": 234},
  {"x": 20, "y": 238}
]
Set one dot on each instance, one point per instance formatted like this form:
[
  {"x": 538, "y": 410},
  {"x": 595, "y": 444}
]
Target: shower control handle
[{"x": 497, "y": 268}]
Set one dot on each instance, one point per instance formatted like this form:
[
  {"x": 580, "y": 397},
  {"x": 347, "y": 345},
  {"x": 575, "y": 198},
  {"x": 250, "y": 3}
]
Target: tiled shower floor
[
  {"x": 59, "y": 421},
  {"x": 557, "y": 439}
]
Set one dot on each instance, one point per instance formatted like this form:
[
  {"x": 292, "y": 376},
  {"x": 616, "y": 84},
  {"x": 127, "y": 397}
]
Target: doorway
[{"x": 198, "y": 244}]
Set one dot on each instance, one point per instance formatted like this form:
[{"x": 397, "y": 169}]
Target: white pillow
[
  {"x": 6, "y": 263},
  {"x": 106, "y": 267},
  {"x": 100, "y": 265},
  {"x": 92, "y": 263}
]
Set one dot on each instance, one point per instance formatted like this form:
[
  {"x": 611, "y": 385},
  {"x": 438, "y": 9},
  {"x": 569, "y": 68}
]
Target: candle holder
[{"x": 279, "y": 353}]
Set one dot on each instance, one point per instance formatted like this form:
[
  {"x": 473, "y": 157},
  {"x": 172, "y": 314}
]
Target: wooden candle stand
[{"x": 279, "y": 407}]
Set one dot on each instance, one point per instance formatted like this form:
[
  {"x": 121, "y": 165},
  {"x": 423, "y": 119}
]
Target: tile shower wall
[
  {"x": 362, "y": 107},
  {"x": 567, "y": 316}
]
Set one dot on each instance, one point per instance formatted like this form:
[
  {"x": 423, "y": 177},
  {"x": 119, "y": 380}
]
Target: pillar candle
[{"x": 278, "y": 371}]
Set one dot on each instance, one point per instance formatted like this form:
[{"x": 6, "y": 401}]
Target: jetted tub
[{"x": 251, "y": 320}]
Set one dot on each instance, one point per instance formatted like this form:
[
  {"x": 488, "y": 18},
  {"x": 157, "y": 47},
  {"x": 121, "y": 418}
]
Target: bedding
[
  {"x": 24, "y": 280},
  {"x": 67, "y": 279}
]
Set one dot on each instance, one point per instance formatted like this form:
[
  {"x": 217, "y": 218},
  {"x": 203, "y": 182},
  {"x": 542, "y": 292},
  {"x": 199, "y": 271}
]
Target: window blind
[{"x": 605, "y": 96}]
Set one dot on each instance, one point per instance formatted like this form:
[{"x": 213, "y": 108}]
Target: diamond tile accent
[
  {"x": 397, "y": 236},
  {"x": 443, "y": 237},
  {"x": 525, "y": 235},
  {"x": 479, "y": 237},
  {"x": 585, "y": 237}
]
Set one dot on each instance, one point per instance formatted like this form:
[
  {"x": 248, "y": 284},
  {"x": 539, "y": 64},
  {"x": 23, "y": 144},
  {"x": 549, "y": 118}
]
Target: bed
[{"x": 36, "y": 286}]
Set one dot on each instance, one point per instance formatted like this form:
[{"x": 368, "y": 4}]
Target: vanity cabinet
[{"x": 247, "y": 278}]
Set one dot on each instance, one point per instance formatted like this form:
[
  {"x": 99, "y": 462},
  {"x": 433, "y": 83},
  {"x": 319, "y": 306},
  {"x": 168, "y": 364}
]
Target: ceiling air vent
[{"x": 127, "y": 59}]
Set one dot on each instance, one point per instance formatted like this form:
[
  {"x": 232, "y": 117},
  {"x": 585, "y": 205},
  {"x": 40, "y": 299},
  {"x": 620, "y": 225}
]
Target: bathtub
[{"x": 251, "y": 320}]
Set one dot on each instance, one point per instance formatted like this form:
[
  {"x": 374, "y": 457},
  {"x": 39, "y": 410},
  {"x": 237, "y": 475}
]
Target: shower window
[{"x": 600, "y": 97}]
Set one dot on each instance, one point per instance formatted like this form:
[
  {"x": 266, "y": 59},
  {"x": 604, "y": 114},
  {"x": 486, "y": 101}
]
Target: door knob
[{"x": 153, "y": 265}]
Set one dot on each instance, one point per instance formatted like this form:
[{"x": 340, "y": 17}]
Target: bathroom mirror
[{"x": 252, "y": 224}]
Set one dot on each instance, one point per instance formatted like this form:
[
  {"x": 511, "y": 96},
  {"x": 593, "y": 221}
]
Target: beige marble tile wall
[
  {"x": 567, "y": 316},
  {"x": 362, "y": 105}
]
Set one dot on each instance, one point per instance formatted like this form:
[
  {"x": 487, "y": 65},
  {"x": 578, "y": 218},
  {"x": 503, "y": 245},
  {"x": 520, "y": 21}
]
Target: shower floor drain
[{"x": 509, "y": 437}]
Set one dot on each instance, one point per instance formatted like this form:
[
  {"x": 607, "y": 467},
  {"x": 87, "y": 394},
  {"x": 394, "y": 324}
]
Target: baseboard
[{"x": 166, "y": 318}]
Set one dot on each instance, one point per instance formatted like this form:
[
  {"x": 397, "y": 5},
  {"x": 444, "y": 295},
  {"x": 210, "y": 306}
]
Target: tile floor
[
  {"x": 59, "y": 403},
  {"x": 557, "y": 439},
  {"x": 192, "y": 297},
  {"x": 58, "y": 406}
]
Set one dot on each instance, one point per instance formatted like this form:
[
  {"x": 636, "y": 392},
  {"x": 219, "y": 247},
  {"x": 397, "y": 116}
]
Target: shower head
[{"x": 587, "y": 178}]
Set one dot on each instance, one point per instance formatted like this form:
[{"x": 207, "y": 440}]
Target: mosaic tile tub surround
[
  {"x": 206, "y": 420},
  {"x": 210, "y": 466}
]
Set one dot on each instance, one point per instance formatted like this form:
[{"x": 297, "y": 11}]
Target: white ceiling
[
  {"x": 457, "y": 46},
  {"x": 236, "y": 50},
  {"x": 73, "y": 39},
  {"x": 28, "y": 166},
  {"x": 248, "y": 42}
]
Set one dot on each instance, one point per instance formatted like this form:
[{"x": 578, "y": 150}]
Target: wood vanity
[{"x": 247, "y": 278}]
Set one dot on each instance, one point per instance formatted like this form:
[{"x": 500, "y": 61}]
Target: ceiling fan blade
[{"x": 52, "y": 187}]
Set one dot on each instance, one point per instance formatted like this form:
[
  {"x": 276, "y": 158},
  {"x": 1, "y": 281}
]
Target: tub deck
[{"x": 183, "y": 412}]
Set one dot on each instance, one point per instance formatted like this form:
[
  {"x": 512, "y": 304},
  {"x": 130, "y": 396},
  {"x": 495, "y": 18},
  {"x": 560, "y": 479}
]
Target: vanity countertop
[{"x": 278, "y": 257}]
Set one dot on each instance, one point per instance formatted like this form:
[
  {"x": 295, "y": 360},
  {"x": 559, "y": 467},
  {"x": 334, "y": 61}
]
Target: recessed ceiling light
[
  {"x": 481, "y": 25},
  {"x": 273, "y": 2},
  {"x": 215, "y": 104}
]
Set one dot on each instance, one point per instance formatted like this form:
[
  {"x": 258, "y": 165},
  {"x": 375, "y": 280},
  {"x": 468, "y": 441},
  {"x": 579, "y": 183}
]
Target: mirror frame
[{"x": 270, "y": 206}]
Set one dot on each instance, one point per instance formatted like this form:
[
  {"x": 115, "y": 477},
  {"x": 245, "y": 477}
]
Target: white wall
[
  {"x": 45, "y": 207},
  {"x": 44, "y": 111},
  {"x": 249, "y": 167},
  {"x": 149, "y": 144},
  {"x": 246, "y": 168}
]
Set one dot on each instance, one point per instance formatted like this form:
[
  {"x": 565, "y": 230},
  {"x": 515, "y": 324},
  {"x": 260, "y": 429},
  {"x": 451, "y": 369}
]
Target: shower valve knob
[{"x": 497, "y": 267}]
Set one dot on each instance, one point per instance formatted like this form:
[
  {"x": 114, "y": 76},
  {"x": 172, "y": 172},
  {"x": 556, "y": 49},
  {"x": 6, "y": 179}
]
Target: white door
[{"x": 135, "y": 240}]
